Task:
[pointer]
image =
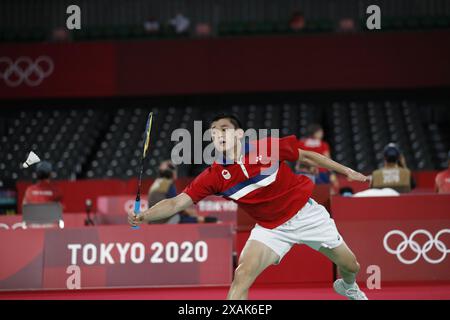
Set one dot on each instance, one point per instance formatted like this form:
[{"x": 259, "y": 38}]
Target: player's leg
[
  {"x": 319, "y": 231},
  {"x": 348, "y": 268},
  {"x": 255, "y": 257},
  {"x": 345, "y": 261}
]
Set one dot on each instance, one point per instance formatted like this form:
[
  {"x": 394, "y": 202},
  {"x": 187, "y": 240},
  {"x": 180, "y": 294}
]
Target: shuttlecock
[{"x": 32, "y": 159}]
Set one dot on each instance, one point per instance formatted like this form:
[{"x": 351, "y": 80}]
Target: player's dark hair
[
  {"x": 312, "y": 129},
  {"x": 233, "y": 119}
]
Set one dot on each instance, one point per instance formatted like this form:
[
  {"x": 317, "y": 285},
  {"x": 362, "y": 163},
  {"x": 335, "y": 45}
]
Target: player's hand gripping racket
[{"x": 148, "y": 129}]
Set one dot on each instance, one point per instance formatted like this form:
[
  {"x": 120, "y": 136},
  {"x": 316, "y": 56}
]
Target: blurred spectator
[
  {"x": 44, "y": 190},
  {"x": 60, "y": 34},
  {"x": 314, "y": 142},
  {"x": 346, "y": 192},
  {"x": 164, "y": 188},
  {"x": 151, "y": 26},
  {"x": 310, "y": 171},
  {"x": 347, "y": 25},
  {"x": 442, "y": 181},
  {"x": 394, "y": 174},
  {"x": 297, "y": 22},
  {"x": 203, "y": 29},
  {"x": 180, "y": 23}
]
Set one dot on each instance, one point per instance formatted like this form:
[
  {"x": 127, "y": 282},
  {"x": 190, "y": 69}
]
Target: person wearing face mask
[
  {"x": 164, "y": 188},
  {"x": 394, "y": 174}
]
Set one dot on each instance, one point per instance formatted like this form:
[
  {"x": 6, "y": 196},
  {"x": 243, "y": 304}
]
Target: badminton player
[{"x": 279, "y": 200}]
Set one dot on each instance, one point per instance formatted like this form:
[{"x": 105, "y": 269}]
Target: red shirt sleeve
[
  {"x": 289, "y": 148},
  {"x": 301, "y": 143},
  {"x": 205, "y": 184}
]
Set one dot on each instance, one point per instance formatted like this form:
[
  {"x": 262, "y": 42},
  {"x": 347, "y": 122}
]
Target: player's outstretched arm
[
  {"x": 163, "y": 209},
  {"x": 311, "y": 157}
]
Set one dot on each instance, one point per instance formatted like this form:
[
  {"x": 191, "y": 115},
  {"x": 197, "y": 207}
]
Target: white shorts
[{"x": 312, "y": 225}]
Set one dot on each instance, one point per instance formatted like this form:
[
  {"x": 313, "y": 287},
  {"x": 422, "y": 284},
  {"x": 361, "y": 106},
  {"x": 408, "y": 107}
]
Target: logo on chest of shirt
[{"x": 226, "y": 174}]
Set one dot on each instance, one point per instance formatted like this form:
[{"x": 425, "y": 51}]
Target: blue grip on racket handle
[{"x": 137, "y": 208}]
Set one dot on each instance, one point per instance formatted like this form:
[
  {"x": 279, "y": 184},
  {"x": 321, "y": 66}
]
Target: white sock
[{"x": 348, "y": 285}]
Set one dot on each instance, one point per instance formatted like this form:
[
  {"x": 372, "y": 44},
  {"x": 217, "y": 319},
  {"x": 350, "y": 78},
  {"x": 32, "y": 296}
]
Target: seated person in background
[
  {"x": 203, "y": 29},
  {"x": 314, "y": 142},
  {"x": 180, "y": 23},
  {"x": 60, "y": 34},
  {"x": 394, "y": 174},
  {"x": 44, "y": 190},
  {"x": 307, "y": 170},
  {"x": 151, "y": 26},
  {"x": 347, "y": 25},
  {"x": 442, "y": 181},
  {"x": 297, "y": 21},
  {"x": 346, "y": 192},
  {"x": 164, "y": 188}
]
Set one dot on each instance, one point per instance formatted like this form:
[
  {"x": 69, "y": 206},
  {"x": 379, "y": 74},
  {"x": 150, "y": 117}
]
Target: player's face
[
  {"x": 318, "y": 134},
  {"x": 224, "y": 135}
]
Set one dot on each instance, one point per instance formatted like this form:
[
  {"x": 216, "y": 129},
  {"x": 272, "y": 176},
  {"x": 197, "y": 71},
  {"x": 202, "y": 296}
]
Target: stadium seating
[
  {"x": 104, "y": 143},
  {"x": 124, "y": 20},
  {"x": 63, "y": 136}
]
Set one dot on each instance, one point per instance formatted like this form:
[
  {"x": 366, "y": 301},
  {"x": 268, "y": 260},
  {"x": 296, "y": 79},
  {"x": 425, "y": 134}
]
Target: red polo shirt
[
  {"x": 42, "y": 192},
  {"x": 267, "y": 190}
]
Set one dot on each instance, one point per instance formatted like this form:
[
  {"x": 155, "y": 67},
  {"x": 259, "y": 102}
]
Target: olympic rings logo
[
  {"x": 420, "y": 251},
  {"x": 25, "y": 70}
]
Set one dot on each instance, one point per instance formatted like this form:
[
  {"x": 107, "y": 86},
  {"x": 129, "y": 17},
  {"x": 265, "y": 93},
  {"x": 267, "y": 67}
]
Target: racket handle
[{"x": 137, "y": 209}]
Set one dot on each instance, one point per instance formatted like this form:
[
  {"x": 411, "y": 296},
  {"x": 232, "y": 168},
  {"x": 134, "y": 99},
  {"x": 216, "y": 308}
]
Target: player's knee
[
  {"x": 243, "y": 273},
  {"x": 351, "y": 265},
  {"x": 355, "y": 266}
]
